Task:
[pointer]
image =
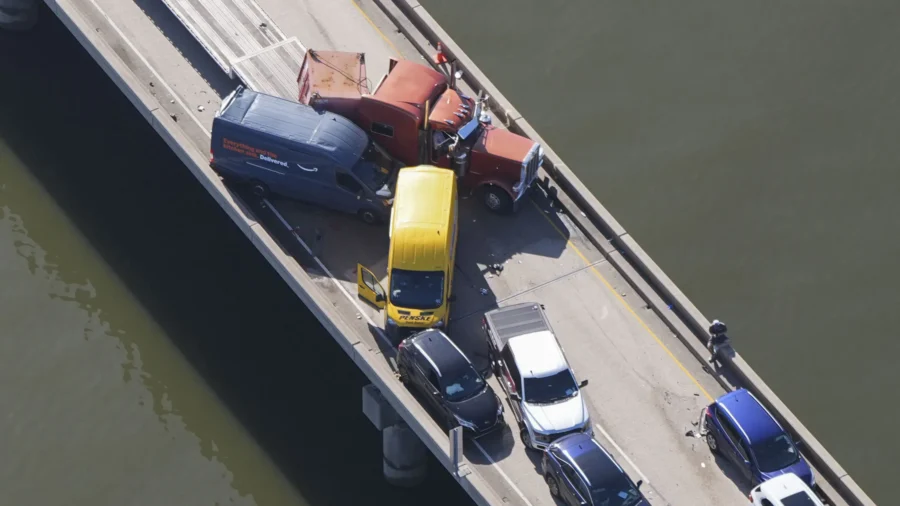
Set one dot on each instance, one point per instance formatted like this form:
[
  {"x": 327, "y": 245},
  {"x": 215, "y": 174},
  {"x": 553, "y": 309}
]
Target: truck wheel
[
  {"x": 552, "y": 485},
  {"x": 523, "y": 435},
  {"x": 368, "y": 217},
  {"x": 497, "y": 200},
  {"x": 259, "y": 188}
]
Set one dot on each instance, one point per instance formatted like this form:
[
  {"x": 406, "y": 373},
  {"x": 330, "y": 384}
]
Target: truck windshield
[
  {"x": 378, "y": 156},
  {"x": 374, "y": 167},
  {"x": 775, "y": 453},
  {"x": 550, "y": 389},
  {"x": 417, "y": 289},
  {"x": 372, "y": 176},
  {"x": 462, "y": 384}
]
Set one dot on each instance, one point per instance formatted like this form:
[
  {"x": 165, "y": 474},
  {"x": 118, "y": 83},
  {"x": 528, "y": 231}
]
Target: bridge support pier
[
  {"x": 18, "y": 15},
  {"x": 405, "y": 456}
]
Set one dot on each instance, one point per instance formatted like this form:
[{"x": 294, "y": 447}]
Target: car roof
[
  {"x": 440, "y": 351},
  {"x": 592, "y": 460},
  {"x": 422, "y": 218},
  {"x": 538, "y": 354},
  {"x": 749, "y": 415},
  {"x": 784, "y": 486}
]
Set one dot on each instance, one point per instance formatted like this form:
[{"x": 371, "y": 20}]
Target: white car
[
  {"x": 532, "y": 369},
  {"x": 785, "y": 490}
]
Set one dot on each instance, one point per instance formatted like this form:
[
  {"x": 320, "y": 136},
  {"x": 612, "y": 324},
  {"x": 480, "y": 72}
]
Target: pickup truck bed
[{"x": 508, "y": 322}]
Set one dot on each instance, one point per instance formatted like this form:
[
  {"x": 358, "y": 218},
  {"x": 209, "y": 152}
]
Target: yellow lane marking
[
  {"x": 624, "y": 303},
  {"x": 383, "y": 36}
]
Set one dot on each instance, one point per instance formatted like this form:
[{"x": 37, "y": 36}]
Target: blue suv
[
  {"x": 739, "y": 428},
  {"x": 580, "y": 472}
]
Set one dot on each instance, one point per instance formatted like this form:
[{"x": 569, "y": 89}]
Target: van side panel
[{"x": 246, "y": 154}]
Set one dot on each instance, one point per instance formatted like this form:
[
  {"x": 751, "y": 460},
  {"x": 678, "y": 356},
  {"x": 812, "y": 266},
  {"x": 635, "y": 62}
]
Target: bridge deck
[{"x": 645, "y": 390}]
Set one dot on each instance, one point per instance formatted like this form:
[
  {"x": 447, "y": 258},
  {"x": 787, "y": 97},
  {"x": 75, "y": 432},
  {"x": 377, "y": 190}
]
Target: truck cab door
[{"x": 368, "y": 287}]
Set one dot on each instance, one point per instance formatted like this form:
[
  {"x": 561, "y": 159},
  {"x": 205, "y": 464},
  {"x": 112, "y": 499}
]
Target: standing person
[{"x": 717, "y": 338}]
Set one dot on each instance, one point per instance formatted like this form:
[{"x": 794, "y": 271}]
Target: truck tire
[
  {"x": 258, "y": 188},
  {"x": 497, "y": 200},
  {"x": 523, "y": 435},
  {"x": 368, "y": 217},
  {"x": 552, "y": 485}
]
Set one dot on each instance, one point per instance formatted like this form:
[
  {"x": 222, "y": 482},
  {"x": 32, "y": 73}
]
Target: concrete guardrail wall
[{"x": 685, "y": 320}]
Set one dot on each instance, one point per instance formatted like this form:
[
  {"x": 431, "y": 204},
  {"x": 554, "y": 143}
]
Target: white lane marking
[
  {"x": 499, "y": 470},
  {"x": 150, "y": 67},
  {"x": 330, "y": 275},
  {"x": 278, "y": 215},
  {"x": 622, "y": 453}
]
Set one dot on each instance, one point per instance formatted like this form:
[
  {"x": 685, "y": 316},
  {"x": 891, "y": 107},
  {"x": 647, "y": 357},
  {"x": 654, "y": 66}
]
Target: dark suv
[
  {"x": 433, "y": 366},
  {"x": 738, "y": 427},
  {"x": 580, "y": 472}
]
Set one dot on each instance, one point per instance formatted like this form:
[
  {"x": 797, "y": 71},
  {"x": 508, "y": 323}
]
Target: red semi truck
[{"x": 419, "y": 116}]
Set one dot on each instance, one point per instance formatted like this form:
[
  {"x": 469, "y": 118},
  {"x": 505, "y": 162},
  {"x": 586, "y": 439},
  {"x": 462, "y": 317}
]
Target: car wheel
[
  {"x": 552, "y": 485},
  {"x": 523, "y": 435},
  {"x": 259, "y": 188},
  {"x": 493, "y": 361},
  {"x": 368, "y": 217},
  {"x": 404, "y": 376},
  {"x": 497, "y": 200},
  {"x": 712, "y": 443}
]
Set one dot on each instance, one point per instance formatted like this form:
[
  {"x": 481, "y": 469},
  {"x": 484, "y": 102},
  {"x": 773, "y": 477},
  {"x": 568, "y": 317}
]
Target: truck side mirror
[
  {"x": 583, "y": 383},
  {"x": 639, "y": 483}
]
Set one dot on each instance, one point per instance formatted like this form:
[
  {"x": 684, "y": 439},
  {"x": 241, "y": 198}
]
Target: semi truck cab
[{"x": 420, "y": 117}]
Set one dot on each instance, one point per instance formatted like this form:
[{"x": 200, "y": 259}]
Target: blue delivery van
[{"x": 277, "y": 146}]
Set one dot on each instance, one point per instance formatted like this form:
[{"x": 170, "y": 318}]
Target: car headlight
[
  {"x": 499, "y": 408},
  {"x": 439, "y": 323},
  {"x": 543, "y": 438},
  {"x": 465, "y": 423},
  {"x": 812, "y": 480}
]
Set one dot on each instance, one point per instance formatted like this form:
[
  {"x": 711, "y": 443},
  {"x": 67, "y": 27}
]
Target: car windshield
[
  {"x": 775, "y": 453},
  {"x": 373, "y": 168},
  {"x": 619, "y": 492},
  {"x": 550, "y": 389},
  {"x": 462, "y": 385},
  {"x": 417, "y": 289},
  {"x": 798, "y": 499}
]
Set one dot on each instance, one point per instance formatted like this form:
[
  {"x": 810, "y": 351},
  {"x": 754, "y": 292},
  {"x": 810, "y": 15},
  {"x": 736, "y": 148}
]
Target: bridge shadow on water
[{"x": 217, "y": 299}]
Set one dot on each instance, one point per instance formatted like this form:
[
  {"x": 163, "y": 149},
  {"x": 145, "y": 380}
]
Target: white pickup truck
[{"x": 532, "y": 369}]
